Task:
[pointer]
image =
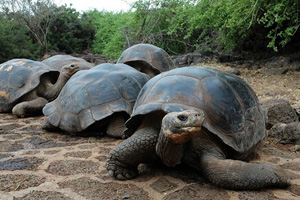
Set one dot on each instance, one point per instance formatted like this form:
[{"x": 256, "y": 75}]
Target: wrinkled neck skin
[
  {"x": 189, "y": 152},
  {"x": 49, "y": 90},
  {"x": 170, "y": 153}
]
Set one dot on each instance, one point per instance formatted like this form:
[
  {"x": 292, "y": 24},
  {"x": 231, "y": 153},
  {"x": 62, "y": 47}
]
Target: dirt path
[{"x": 35, "y": 164}]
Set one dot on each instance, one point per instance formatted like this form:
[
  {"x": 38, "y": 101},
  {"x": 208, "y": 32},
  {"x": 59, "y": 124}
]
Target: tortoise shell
[
  {"x": 18, "y": 77},
  {"x": 231, "y": 107},
  {"x": 58, "y": 61},
  {"x": 154, "y": 57},
  {"x": 94, "y": 94}
]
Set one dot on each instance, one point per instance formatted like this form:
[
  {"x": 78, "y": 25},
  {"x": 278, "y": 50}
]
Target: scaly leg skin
[
  {"x": 124, "y": 159},
  {"x": 238, "y": 175},
  {"x": 29, "y": 108},
  {"x": 116, "y": 126}
]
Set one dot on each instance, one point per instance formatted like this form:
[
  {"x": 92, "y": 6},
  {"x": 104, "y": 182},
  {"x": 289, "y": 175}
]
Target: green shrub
[
  {"x": 70, "y": 32},
  {"x": 281, "y": 19},
  {"x": 111, "y": 35},
  {"x": 15, "y": 41},
  {"x": 178, "y": 26}
]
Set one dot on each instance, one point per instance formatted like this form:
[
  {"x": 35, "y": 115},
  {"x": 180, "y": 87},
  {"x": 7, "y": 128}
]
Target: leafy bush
[
  {"x": 222, "y": 23},
  {"x": 163, "y": 23},
  {"x": 187, "y": 25},
  {"x": 112, "y": 29},
  {"x": 70, "y": 32},
  {"x": 281, "y": 19},
  {"x": 15, "y": 41},
  {"x": 178, "y": 26}
]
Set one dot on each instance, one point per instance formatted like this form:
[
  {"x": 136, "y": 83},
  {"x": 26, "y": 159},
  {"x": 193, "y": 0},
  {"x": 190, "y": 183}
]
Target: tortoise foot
[
  {"x": 120, "y": 171},
  {"x": 282, "y": 179}
]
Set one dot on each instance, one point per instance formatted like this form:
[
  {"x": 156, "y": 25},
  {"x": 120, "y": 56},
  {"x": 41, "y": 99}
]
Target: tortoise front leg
[
  {"x": 29, "y": 108},
  {"x": 116, "y": 125},
  {"x": 123, "y": 160},
  {"x": 235, "y": 174}
]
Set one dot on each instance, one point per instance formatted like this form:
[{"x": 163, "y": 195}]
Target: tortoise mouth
[
  {"x": 184, "y": 134},
  {"x": 185, "y": 130},
  {"x": 182, "y": 129}
]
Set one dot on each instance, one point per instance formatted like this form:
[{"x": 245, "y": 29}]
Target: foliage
[
  {"x": 187, "y": 25},
  {"x": 163, "y": 23},
  {"x": 281, "y": 19},
  {"x": 70, "y": 32},
  {"x": 44, "y": 26},
  {"x": 112, "y": 29},
  {"x": 36, "y": 16},
  {"x": 15, "y": 41},
  {"x": 222, "y": 23},
  {"x": 178, "y": 26}
]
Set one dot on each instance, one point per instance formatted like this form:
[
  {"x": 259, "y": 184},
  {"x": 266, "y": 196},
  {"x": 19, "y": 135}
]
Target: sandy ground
[{"x": 35, "y": 164}]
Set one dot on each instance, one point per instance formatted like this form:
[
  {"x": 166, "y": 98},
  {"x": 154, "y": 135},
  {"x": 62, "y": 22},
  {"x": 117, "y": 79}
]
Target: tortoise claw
[
  {"x": 282, "y": 179},
  {"x": 120, "y": 171}
]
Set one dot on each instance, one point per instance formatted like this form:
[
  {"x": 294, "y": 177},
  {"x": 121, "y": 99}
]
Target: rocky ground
[{"x": 35, "y": 164}]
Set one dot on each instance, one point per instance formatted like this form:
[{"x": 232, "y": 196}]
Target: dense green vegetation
[{"x": 178, "y": 26}]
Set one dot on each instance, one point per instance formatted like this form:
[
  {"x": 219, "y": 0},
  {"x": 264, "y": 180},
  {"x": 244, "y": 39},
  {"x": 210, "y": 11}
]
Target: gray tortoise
[
  {"x": 59, "y": 61},
  {"x": 96, "y": 100},
  {"x": 147, "y": 58},
  {"x": 208, "y": 119},
  {"x": 26, "y": 85}
]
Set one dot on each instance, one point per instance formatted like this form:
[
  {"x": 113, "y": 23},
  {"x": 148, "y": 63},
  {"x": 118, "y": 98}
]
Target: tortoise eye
[{"x": 182, "y": 118}]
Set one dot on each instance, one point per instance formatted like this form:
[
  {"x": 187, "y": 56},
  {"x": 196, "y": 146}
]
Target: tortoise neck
[
  {"x": 170, "y": 152},
  {"x": 53, "y": 90}
]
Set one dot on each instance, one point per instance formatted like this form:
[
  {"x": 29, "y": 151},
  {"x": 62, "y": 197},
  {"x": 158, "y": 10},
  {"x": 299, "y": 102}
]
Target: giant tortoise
[
  {"x": 96, "y": 99},
  {"x": 26, "y": 85},
  {"x": 59, "y": 61},
  {"x": 147, "y": 58},
  {"x": 208, "y": 119}
]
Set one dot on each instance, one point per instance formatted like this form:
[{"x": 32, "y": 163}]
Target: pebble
[{"x": 126, "y": 196}]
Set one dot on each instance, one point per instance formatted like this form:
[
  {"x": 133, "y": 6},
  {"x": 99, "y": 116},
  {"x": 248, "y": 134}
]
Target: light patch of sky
[{"x": 108, "y": 5}]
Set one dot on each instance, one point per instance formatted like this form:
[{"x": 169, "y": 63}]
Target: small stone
[
  {"x": 126, "y": 196},
  {"x": 296, "y": 66},
  {"x": 286, "y": 133},
  {"x": 277, "y": 130},
  {"x": 279, "y": 110},
  {"x": 295, "y": 148},
  {"x": 256, "y": 67},
  {"x": 234, "y": 71}
]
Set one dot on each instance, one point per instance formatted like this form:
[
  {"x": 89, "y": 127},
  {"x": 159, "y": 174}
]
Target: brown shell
[
  {"x": 154, "y": 57},
  {"x": 232, "y": 109}
]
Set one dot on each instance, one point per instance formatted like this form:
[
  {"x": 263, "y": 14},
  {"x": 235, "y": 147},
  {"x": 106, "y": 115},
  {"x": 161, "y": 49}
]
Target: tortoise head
[
  {"x": 177, "y": 128},
  {"x": 70, "y": 70},
  {"x": 182, "y": 126}
]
